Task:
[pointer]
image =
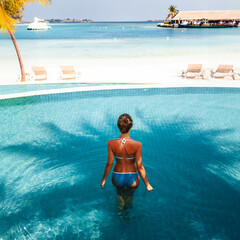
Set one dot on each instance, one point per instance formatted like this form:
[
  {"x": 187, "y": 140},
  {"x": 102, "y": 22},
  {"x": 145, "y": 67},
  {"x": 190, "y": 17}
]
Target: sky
[{"x": 121, "y": 10}]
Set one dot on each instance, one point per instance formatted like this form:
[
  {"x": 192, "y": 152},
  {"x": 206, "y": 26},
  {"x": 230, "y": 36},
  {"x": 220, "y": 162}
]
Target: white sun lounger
[
  {"x": 193, "y": 71},
  {"x": 223, "y": 71},
  {"x": 236, "y": 73},
  {"x": 68, "y": 72},
  {"x": 39, "y": 73}
]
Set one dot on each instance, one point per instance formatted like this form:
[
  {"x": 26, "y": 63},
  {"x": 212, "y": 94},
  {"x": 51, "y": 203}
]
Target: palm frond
[
  {"x": 6, "y": 21},
  {"x": 43, "y": 2}
]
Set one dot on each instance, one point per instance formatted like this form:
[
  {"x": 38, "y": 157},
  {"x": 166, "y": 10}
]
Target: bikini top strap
[{"x": 123, "y": 141}]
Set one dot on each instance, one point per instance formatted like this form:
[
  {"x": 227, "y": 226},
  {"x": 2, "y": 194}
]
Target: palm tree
[
  {"x": 10, "y": 13},
  {"x": 172, "y": 12}
]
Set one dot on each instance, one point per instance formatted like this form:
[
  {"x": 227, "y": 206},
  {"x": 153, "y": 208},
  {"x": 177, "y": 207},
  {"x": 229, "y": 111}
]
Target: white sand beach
[{"x": 137, "y": 71}]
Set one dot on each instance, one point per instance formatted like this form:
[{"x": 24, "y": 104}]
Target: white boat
[
  {"x": 167, "y": 25},
  {"x": 38, "y": 24}
]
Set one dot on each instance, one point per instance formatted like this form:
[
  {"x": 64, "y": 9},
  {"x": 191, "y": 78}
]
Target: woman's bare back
[{"x": 124, "y": 150}]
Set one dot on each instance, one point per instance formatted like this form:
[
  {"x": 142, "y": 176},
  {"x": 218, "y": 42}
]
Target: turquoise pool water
[{"x": 53, "y": 153}]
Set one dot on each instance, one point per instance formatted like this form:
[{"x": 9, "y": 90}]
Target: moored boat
[
  {"x": 206, "y": 25},
  {"x": 38, "y": 24},
  {"x": 167, "y": 24},
  {"x": 164, "y": 25}
]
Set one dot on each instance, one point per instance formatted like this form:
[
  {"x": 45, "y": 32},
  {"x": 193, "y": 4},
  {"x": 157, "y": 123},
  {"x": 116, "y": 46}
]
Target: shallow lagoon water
[
  {"x": 53, "y": 153},
  {"x": 118, "y": 40}
]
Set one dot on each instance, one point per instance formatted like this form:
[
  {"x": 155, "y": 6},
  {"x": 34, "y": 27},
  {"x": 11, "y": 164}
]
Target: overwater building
[{"x": 207, "y": 16}]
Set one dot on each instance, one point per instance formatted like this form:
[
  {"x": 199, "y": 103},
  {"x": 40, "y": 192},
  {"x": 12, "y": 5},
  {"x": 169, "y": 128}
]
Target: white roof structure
[{"x": 208, "y": 15}]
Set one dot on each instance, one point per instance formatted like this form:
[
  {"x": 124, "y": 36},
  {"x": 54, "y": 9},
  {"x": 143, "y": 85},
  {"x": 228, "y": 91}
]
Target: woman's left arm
[{"x": 109, "y": 164}]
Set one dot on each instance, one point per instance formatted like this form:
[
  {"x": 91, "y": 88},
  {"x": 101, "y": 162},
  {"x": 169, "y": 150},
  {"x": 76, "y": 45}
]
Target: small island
[{"x": 68, "y": 20}]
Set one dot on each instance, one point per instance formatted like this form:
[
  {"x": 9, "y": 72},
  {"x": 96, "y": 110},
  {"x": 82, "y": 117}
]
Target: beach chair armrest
[{"x": 212, "y": 72}]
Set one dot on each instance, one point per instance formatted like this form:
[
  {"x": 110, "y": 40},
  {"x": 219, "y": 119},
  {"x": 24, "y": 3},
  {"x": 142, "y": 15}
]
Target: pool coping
[{"x": 110, "y": 87}]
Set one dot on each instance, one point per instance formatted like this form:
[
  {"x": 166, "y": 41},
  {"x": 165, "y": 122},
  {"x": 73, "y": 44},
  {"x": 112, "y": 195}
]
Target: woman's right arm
[
  {"x": 109, "y": 164},
  {"x": 141, "y": 169}
]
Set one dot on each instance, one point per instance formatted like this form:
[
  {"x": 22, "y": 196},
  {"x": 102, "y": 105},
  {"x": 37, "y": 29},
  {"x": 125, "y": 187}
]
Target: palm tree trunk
[{"x": 23, "y": 77}]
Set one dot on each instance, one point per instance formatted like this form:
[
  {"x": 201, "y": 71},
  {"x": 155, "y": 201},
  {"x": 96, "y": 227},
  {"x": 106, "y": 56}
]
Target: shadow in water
[{"x": 57, "y": 184}]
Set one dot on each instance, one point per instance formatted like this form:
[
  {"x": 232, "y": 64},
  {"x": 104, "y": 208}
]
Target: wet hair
[{"x": 124, "y": 123}]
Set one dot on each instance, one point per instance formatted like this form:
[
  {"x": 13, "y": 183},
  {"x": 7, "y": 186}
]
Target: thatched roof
[{"x": 209, "y": 15}]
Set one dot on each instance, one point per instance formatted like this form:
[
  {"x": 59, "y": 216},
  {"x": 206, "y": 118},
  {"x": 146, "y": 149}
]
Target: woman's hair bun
[{"x": 124, "y": 123}]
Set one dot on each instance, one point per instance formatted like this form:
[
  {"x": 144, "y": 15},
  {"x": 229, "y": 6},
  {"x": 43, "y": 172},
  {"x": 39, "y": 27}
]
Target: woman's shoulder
[
  {"x": 136, "y": 143},
  {"x": 112, "y": 141}
]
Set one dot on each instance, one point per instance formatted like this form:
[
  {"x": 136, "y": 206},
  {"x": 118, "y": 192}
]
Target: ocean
[{"x": 77, "y": 43}]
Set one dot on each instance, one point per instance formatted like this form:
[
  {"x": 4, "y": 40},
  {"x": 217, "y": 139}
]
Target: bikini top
[{"x": 123, "y": 141}]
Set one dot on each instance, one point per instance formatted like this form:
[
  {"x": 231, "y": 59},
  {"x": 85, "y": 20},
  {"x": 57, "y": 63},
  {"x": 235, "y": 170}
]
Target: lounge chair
[
  {"x": 237, "y": 73},
  {"x": 40, "y": 73},
  {"x": 223, "y": 71},
  {"x": 68, "y": 72},
  {"x": 193, "y": 71}
]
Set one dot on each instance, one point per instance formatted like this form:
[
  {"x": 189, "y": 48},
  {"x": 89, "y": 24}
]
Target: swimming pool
[{"x": 53, "y": 153}]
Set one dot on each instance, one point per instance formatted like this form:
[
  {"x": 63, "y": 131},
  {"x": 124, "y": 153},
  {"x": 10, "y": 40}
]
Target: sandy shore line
[{"x": 134, "y": 71}]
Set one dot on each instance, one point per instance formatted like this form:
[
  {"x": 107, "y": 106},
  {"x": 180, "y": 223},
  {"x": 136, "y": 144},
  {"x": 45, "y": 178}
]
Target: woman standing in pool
[{"x": 127, "y": 153}]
